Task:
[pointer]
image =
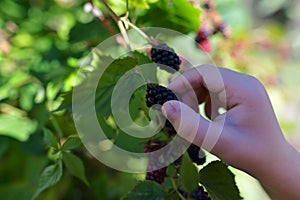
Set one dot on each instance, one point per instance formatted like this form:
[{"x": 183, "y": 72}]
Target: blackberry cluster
[
  {"x": 155, "y": 175},
  {"x": 165, "y": 57},
  {"x": 158, "y": 95},
  {"x": 196, "y": 154},
  {"x": 198, "y": 194}
]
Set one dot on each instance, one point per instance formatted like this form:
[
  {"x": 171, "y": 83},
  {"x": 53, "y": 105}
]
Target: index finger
[{"x": 229, "y": 86}]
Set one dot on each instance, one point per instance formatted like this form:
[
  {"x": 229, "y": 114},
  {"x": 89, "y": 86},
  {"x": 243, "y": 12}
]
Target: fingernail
[{"x": 168, "y": 109}]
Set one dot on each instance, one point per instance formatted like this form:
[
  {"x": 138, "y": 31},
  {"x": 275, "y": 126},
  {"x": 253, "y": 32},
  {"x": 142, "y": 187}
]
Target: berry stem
[
  {"x": 56, "y": 127},
  {"x": 175, "y": 188},
  {"x": 125, "y": 36},
  {"x": 138, "y": 30},
  {"x": 104, "y": 21}
]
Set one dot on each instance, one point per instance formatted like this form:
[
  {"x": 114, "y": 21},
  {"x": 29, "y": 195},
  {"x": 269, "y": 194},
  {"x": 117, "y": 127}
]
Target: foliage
[{"x": 42, "y": 45}]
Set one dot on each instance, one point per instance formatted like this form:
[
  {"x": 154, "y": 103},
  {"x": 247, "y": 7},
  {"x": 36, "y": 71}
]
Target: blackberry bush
[{"x": 165, "y": 57}]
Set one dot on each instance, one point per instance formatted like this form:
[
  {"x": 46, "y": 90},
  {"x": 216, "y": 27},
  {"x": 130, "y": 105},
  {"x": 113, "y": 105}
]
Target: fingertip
[{"x": 170, "y": 108}]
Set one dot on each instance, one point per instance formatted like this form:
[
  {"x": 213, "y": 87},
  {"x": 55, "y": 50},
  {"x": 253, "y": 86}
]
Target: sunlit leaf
[{"x": 17, "y": 127}]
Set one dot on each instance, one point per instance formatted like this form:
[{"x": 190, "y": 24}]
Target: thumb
[{"x": 187, "y": 123}]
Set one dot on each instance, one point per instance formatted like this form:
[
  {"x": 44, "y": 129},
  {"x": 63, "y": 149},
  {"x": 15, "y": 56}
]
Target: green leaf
[
  {"x": 180, "y": 15},
  {"x": 219, "y": 181},
  {"x": 147, "y": 190},
  {"x": 50, "y": 139},
  {"x": 17, "y": 127},
  {"x": 72, "y": 142},
  {"x": 108, "y": 81},
  {"x": 171, "y": 171},
  {"x": 75, "y": 166},
  {"x": 139, "y": 4},
  {"x": 188, "y": 178},
  {"x": 49, "y": 177},
  {"x": 27, "y": 95},
  {"x": 130, "y": 143},
  {"x": 96, "y": 32},
  {"x": 3, "y": 147}
]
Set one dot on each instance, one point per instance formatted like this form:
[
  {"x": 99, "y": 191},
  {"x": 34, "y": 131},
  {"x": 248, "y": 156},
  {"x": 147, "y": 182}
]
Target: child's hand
[{"x": 247, "y": 136}]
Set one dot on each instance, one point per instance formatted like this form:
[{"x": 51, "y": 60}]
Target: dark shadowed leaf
[
  {"x": 147, "y": 190},
  {"x": 50, "y": 139},
  {"x": 71, "y": 143},
  {"x": 49, "y": 177},
  {"x": 75, "y": 166},
  {"x": 188, "y": 175},
  {"x": 219, "y": 181}
]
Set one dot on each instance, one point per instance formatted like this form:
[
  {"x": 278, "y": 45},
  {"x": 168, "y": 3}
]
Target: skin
[{"x": 247, "y": 136}]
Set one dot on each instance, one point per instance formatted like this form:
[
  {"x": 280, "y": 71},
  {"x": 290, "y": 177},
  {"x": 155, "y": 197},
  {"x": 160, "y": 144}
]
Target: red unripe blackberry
[
  {"x": 202, "y": 40},
  {"x": 152, "y": 174},
  {"x": 196, "y": 154},
  {"x": 165, "y": 57},
  {"x": 202, "y": 35},
  {"x": 204, "y": 46}
]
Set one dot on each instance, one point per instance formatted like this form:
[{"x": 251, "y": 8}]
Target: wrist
[{"x": 281, "y": 172}]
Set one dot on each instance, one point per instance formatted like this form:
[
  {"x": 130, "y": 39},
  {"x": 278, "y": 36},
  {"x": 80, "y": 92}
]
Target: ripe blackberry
[
  {"x": 198, "y": 194},
  {"x": 196, "y": 154},
  {"x": 177, "y": 163},
  {"x": 154, "y": 175},
  {"x": 158, "y": 95},
  {"x": 165, "y": 57}
]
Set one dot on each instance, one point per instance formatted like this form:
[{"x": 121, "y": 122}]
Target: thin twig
[
  {"x": 111, "y": 12},
  {"x": 175, "y": 187},
  {"x": 125, "y": 36},
  {"x": 104, "y": 21},
  {"x": 138, "y": 30}
]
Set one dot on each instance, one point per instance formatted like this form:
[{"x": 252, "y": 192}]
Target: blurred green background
[{"x": 42, "y": 44}]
